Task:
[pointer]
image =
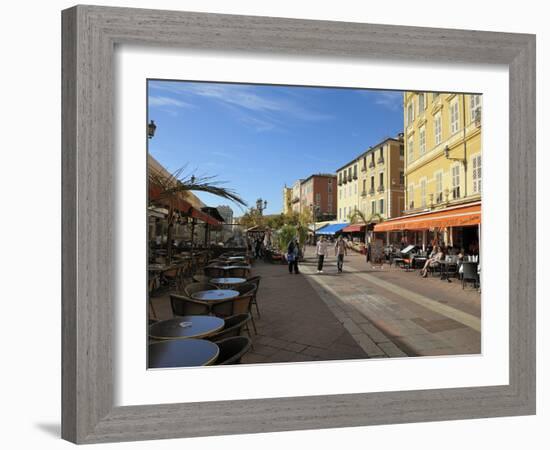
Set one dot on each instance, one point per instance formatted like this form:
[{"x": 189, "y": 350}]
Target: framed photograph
[{"x": 277, "y": 224}]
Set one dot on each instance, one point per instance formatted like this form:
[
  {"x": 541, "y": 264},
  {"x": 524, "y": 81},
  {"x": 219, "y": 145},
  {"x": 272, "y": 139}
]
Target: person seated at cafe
[{"x": 436, "y": 256}]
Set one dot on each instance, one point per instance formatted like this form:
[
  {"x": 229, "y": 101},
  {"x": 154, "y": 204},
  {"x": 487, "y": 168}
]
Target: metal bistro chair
[
  {"x": 233, "y": 327},
  {"x": 469, "y": 273},
  {"x": 232, "y": 350},
  {"x": 190, "y": 289},
  {"x": 185, "y": 306},
  {"x": 256, "y": 281}
]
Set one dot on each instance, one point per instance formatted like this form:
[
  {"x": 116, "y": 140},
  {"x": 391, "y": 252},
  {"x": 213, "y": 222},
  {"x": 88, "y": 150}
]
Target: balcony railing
[
  {"x": 380, "y": 160},
  {"x": 363, "y": 193},
  {"x": 381, "y": 188},
  {"x": 355, "y": 176},
  {"x": 340, "y": 182},
  {"x": 371, "y": 191},
  {"x": 371, "y": 164},
  {"x": 364, "y": 168}
]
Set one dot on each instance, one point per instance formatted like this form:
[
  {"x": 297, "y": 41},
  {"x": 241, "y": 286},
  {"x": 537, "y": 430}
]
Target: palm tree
[
  {"x": 171, "y": 186},
  {"x": 358, "y": 216}
]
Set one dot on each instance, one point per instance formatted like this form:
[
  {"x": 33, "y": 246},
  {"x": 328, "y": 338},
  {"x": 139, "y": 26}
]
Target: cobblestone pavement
[{"x": 360, "y": 313}]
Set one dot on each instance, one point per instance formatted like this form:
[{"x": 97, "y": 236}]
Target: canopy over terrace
[
  {"x": 331, "y": 230},
  {"x": 458, "y": 216}
]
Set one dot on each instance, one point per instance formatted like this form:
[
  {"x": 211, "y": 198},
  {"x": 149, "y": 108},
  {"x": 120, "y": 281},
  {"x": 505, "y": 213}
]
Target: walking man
[
  {"x": 321, "y": 252},
  {"x": 292, "y": 255},
  {"x": 340, "y": 250}
]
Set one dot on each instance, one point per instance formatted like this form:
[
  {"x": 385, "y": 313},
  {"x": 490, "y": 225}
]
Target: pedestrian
[
  {"x": 321, "y": 252},
  {"x": 340, "y": 250},
  {"x": 292, "y": 254}
]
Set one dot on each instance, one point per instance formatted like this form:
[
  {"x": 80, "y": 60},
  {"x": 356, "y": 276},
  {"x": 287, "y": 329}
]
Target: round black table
[
  {"x": 182, "y": 353},
  {"x": 227, "y": 282},
  {"x": 215, "y": 295},
  {"x": 186, "y": 327}
]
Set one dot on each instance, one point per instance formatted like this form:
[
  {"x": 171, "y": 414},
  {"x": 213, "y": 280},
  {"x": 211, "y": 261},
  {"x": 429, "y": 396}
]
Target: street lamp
[
  {"x": 151, "y": 127},
  {"x": 261, "y": 205}
]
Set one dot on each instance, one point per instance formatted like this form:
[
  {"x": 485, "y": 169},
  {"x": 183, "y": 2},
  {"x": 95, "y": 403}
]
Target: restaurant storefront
[{"x": 457, "y": 226}]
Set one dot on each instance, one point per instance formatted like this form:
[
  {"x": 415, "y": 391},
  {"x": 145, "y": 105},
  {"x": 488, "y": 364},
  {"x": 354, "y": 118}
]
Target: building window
[
  {"x": 401, "y": 177},
  {"x": 439, "y": 187},
  {"x": 437, "y": 129},
  {"x": 355, "y": 171},
  {"x": 381, "y": 206},
  {"x": 411, "y": 196},
  {"x": 318, "y": 198},
  {"x": 456, "y": 181},
  {"x": 410, "y": 113},
  {"x": 475, "y": 103},
  {"x": 422, "y": 139},
  {"x": 345, "y": 216},
  {"x": 421, "y": 103},
  {"x": 372, "y": 183},
  {"x": 381, "y": 181},
  {"x": 410, "y": 150},
  {"x": 401, "y": 151},
  {"x": 355, "y": 188},
  {"x": 373, "y": 207},
  {"x": 454, "y": 117},
  {"x": 364, "y": 185},
  {"x": 476, "y": 174},
  {"x": 340, "y": 213},
  {"x": 423, "y": 193}
]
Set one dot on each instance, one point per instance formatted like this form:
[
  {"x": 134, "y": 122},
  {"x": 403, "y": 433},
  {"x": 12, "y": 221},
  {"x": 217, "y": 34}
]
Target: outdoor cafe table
[
  {"x": 215, "y": 295},
  {"x": 182, "y": 353},
  {"x": 186, "y": 327},
  {"x": 227, "y": 282}
]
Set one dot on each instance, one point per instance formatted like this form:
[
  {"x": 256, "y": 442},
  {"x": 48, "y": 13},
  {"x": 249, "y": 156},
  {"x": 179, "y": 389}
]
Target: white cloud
[{"x": 160, "y": 101}]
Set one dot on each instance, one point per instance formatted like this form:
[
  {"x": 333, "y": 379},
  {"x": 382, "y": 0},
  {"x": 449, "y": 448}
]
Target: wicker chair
[
  {"x": 185, "y": 306},
  {"x": 256, "y": 281},
  {"x": 214, "y": 272},
  {"x": 232, "y": 350},
  {"x": 190, "y": 289},
  {"x": 238, "y": 272},
  {"x": 233, "y": 327},
  {"x": 469, "y": 273}
]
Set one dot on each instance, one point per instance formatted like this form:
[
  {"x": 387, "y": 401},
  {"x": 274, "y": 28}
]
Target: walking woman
[
  {"x": 292, "y": 255},
  {"x": 321, "y": 252},
  {"x": 340, "y": 250}
]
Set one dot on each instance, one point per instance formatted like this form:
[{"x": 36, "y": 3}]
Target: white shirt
[{"x": 322, "y": 247}]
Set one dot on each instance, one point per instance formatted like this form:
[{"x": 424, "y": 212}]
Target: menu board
[{"x": 377, "y": 252}]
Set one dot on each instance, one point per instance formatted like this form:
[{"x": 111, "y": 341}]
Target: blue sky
[{"x": 256, "y": 138}]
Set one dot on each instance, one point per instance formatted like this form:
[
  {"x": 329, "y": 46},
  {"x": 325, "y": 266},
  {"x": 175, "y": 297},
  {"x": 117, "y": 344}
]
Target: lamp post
[
  {"x": 314, "y": 214},
  {"x": 151, "y": 128},
  {"x": 261, "y": 205}
]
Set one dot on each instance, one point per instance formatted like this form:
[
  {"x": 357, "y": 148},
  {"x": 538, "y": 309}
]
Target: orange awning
[{"x": 459, "y": 216}]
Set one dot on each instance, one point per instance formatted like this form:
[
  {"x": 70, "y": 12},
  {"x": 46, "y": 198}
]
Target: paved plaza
[{"x": 361, "y": 313}]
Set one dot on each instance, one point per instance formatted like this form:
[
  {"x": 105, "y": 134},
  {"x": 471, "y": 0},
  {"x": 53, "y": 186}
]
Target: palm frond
[{"x": 178, "y": 181}]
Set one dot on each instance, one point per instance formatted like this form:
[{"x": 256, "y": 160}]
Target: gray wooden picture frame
[{"x": 90, "y": 34}]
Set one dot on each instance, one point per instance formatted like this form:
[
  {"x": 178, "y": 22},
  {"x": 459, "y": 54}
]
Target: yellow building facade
[
  {"x": 348, "y": 190},
  {"x": 373, "y": 183},
  {"x": 287, "y": 200},
  {"x": 443, "y": 171},
  {"x": 442, "y": 150}
]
